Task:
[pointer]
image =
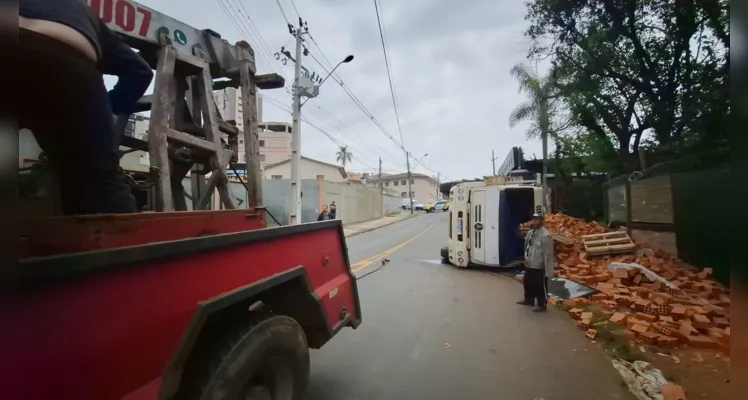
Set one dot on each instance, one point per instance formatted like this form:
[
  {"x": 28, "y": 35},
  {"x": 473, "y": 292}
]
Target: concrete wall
[
  {"x": 665, "y": 241},
  {"x": 357, "y": 203},
  {"x": 392, "y": 204},
  {"x": 309, "y": 169}
]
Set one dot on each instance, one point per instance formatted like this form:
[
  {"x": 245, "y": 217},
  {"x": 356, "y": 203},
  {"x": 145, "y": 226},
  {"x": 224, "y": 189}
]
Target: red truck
[
  {"x": 175, "y": 304},
  {"x": 203, "y": 304}
]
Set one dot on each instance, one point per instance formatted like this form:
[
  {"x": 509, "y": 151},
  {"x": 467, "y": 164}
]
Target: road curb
[{"x": 377, "y": 227}]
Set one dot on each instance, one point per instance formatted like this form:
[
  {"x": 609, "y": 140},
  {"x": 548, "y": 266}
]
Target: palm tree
[
  {"x": 538, "y": 109},
  {"x": 344, "y": 155}
]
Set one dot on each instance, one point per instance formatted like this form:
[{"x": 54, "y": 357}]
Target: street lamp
[
  {"x": 344, "y": 61},
  {"x": 419, "y": 160}
]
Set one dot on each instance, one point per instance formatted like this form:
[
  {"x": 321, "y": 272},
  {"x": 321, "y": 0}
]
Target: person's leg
[
  {"x": 66, "y": 106},
  {"x": 527, "y": 286},
  {"x": 540, "y": 290}
]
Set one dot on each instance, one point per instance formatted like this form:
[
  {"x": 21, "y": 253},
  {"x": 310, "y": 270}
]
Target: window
[
  {"x": 262, "y": 157},
  {"x": 387, "y": 183},
  {"x": 277, "y": 177},
  {"x": 262, "y": 143},
  {"x": 241, "y": 141},
  {"x": 395, "y": 183},
  {"x": 403, "y": 182},
  {"x": 412, "y": 181},
  {"x": 403, "y": 194}
]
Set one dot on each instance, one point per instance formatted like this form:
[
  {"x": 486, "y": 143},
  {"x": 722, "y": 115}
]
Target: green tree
[
  {"x": 343, "y": 155},
  {"x": 627, "y": 68}
]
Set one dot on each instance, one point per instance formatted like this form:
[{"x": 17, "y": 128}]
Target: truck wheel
[{"x": 268, "y": 360}]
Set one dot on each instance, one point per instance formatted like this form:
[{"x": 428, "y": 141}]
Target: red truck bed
[{"x": 122, "y": 322}]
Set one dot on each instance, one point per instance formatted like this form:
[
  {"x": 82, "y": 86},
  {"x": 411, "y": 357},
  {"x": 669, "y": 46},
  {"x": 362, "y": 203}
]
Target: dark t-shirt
[{"x": 115, "y": 56}]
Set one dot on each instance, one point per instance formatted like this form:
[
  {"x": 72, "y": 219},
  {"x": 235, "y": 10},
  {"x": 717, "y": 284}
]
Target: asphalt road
[{"x": 431, "y": 331}]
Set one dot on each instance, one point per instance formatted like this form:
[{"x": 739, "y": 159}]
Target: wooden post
[
  {"x": 210, "y": 128},
  {"x": 251, "y": 137},
  {"x": 162, "y": 109}
]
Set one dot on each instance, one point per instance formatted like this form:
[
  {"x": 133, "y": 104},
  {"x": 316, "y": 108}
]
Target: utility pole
[
  {"x": 305, "y": 84},
  {"x": 438, "y": 179},
  {"x": 493, "y": 161},
  {"x": 381, "y": 186},
  {"x": 410, "y": 192},
  {"x": 295, "y": 212}
]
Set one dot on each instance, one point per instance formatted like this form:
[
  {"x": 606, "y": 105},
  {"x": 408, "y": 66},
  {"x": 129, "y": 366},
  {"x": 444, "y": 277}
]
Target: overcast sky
[{"x": 450, "y": 66}]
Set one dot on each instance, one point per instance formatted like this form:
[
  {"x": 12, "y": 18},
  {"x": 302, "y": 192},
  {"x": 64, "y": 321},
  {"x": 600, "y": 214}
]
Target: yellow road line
[{"x": 366, "y": 262}]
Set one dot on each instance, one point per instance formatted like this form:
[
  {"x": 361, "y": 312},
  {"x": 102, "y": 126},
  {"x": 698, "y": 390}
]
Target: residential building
[
  {"x": 137, "y": 126},
  {"x": 229, "y": 104},
  {"x": 425, "y": 189},
  {"x": 309, "y": 169},
  {"x": 275, "y": 142}
]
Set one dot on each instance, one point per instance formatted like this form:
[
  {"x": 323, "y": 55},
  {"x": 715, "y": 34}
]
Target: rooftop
[
  {"x": 404, "y": 175},
  {"x": 341, "y": 169}
]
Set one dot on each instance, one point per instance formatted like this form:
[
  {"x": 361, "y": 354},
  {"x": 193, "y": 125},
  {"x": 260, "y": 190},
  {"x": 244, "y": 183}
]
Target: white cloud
[{"x": 450, "y": 63}]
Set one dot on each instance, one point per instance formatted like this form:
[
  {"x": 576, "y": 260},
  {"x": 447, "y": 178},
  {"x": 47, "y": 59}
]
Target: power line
[
  {"x": 243, "y": 31},
  {"x": 262, "y": 41},
  {"x": 293, "y": 4},
  {"x": 335, "y": 77},
  {"x": 358, "y": 102},
  {"x": 389, "y": 74},
  {"x": 280, "y": 7},
  {"x": 329, "y": 136}
]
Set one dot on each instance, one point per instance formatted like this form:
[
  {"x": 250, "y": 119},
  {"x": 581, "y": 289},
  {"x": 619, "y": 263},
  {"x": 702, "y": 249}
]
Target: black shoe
[
  {"x": 539, "y": 308},
  {"x": 525, "y": 303}
]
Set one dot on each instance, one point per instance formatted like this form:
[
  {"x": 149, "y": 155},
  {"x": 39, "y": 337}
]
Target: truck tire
[{"x": 266, "y": 360}]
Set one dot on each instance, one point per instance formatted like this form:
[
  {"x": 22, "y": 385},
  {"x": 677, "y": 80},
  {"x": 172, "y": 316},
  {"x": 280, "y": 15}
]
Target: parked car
[
  {"x": 416, "y": 205},
  {"x": 441, "y": 205}
]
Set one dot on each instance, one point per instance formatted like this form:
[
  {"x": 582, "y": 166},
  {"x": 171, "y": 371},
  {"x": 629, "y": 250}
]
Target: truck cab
[{"x": 484, "y": 221}]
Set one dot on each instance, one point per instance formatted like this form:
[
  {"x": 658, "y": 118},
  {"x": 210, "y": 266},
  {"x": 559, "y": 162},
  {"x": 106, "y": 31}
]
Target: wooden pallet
[
  {"x": 557, "y": 236},
  {"x": 608, "y": 243}
]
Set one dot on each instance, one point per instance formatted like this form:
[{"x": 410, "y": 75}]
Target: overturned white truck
[{"x": 484, "y": 219}]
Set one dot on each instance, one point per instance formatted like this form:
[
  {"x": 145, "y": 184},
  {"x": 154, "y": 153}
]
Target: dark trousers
[
  {"x": 65, "y": 104},
  {"x": 536, "y": 286}
]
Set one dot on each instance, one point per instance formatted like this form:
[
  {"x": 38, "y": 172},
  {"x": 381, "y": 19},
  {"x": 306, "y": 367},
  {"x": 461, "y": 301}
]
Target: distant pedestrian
[
  {"x": 324, "y": 214},
  {"x": 333, "y": 210},
  {"x": 538, "y": 264}
]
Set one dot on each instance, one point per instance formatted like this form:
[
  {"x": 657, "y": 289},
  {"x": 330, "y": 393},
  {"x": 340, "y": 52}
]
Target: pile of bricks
[{"x": 696, "y": 313}]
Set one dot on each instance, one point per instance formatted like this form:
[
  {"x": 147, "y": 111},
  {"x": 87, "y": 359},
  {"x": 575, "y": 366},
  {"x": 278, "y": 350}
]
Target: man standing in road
[{"x": 538, "y": 264}]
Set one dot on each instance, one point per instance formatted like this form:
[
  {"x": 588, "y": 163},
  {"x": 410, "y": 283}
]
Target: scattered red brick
[
  {"x": 618, "y": 318},
  {"x": 693, "y": 313},
  {"x": 701, "y": 322},
  {"x": 667, "y": 341},
  {"x": 671, "y": 391},
  {"x": 639, "y": 329}
]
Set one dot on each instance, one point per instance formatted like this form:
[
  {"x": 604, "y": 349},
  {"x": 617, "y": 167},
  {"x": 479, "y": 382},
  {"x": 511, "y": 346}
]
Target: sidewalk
[{"x": 361, "y": 227}]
